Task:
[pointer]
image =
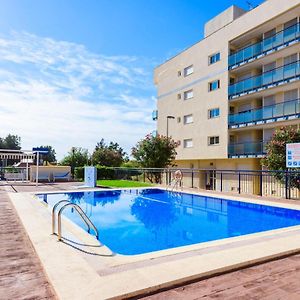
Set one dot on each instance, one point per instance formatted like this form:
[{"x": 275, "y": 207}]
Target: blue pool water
[{"x": 140, "y": 221}]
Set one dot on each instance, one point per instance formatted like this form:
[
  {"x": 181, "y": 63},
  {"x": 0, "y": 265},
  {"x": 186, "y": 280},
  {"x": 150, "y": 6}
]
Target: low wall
[{"x": 51, "y": 173}]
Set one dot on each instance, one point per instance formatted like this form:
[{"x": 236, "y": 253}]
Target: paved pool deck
[
  {"x": 273, "y": 280},
  {"x": 21, "y": 273}
]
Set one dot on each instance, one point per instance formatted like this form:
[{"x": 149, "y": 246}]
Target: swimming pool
[{"x": 139, "y": 221}]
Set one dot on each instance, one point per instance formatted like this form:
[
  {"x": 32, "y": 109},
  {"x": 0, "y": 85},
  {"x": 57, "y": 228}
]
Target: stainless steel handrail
[
  {"x": 53, "y": 213},
  {"x": 83, "y": 216}
]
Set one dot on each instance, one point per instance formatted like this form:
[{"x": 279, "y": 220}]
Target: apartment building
[{"x": 223, "y": 98}]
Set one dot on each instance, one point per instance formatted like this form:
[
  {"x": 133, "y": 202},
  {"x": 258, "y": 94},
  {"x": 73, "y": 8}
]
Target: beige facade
[{"x": 250, "y": 62}]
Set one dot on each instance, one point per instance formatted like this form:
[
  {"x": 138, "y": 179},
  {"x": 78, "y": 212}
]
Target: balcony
[
  {"x": 267, "y": 46},
  {"x": 282, "y": 75},
  {"x": 155, "y": 115},
  {"x": 247, "y": 149},
  {"x": 288, "y": 110}
]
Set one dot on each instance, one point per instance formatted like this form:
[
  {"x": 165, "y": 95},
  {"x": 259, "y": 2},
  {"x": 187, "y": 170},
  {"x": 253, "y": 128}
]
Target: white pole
[
  {"x": 37, "y": 168},
  {"x": 27, "y": 168}
]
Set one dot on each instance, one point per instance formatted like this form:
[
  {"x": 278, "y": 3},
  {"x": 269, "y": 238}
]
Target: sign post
[
  {"x": 293, "y": 155},
  {"x": 37, "y": 151}
]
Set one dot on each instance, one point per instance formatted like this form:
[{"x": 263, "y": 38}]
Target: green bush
[
  {"x": 105, "y": 172},
  {"x": 79, "y": 173},
  {"x": 108, "y": 173}
]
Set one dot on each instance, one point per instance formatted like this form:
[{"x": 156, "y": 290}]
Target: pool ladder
[{"x": 80, "y": 212}]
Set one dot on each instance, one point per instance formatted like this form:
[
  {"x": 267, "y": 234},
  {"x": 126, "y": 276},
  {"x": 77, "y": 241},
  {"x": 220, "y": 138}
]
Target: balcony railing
[
  {"x": 154, "y": 115},
  {"x": 268, "y": 79},
  {"x": 264, "y": 47},
  {"x": 246, "y": 149},
  {"x": 283, "y": 109}
]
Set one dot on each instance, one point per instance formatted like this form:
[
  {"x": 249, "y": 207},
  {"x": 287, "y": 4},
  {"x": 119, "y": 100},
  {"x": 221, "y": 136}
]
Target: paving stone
[{"x": 21, "y": 274}]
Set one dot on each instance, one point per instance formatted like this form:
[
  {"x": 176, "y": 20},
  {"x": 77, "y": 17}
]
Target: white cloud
[{"x": 59, "y": 93}]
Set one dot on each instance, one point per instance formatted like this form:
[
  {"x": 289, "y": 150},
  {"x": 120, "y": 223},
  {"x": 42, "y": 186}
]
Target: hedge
[{"x": 108, "y": 173}]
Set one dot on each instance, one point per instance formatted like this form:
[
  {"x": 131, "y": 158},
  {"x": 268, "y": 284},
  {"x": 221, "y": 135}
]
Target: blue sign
[
  {"x": 40, "y": 150},
  {"x": 293, "y": 155}
]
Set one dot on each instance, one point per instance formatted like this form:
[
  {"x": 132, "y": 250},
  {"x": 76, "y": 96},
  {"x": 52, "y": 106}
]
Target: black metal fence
[{"x": 281, "y": 184}]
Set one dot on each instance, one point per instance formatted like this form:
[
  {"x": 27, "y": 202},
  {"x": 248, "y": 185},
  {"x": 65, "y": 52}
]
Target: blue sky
[{"x": 73, "y": 71}]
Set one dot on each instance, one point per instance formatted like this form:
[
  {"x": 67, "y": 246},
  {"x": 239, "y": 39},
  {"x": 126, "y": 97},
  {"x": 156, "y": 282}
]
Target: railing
[
  {"x": 282, "y": 184},
  {"x": 266, "y": 79},
  {"x": 247, "y": 148},
  {"x": 279, "y": 39},
  {"x": 14, "y": 174},
  {"x": 278, "y": 110},
  {"x": 80, "y": 212}
]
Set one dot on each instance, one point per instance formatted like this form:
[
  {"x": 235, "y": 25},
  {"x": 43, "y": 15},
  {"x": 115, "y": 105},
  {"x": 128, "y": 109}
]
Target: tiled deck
[
  {"x": 21, "y": 273},
  {"x": 270, "y": 281}
]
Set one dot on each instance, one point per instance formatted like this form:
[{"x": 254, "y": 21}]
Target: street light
[{"x": 169, "y": 117}]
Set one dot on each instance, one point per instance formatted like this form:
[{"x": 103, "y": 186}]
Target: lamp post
[{"x": 169, "y": 117}]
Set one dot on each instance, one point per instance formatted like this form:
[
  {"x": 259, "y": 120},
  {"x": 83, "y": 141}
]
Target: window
[
  {"x": 270, "y": 33},
  {"x": 179, "y": 73},
  {"x": 188, "y": 70},
  {"x": 178, "y": 96},
  {"x": 269, "y": 67},
  {"x": 178, "y": 119},
  {"x": 290, "y": 23},
  {"x": 214, "y": 58},
  {"x": 188, "y": 119},
  {"x": 188, "y": 94},
  {"x": 291, "y": 95},
  {"x": 290, "y": 59},
  {"x": 213, "y": 113},
  {"x": 214, "y": 85},
  {"x": 213, "y": 140},
  {"x": 188, "y": 143}
]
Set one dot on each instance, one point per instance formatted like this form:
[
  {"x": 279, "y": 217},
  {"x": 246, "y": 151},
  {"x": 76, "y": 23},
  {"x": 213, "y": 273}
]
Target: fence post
[
  {"x": 192, "y": 178},
  {"x": 144, "y": 176},
  {"x": 260, "y": 183},
  {"x": 221, "y": 187},
  {"x": 286, "y": 186},
  {"x": 239, "y": 188}
]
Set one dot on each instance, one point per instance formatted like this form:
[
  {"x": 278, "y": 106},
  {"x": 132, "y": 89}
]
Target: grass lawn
[{"x": 122, "y": 183}]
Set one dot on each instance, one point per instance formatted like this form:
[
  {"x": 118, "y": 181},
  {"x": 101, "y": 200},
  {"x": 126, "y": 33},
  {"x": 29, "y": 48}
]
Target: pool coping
[{"x": 119, "y": 276}]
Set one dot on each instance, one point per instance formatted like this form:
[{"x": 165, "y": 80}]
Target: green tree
[
  {"x": 51, "y": 156},
  {"x": 76, "y": 157},
  {"x": 10, "y": 142},
  {"x": 111, "y": 155},
  {"x": 275, "y": 159},
  {"x": 155, "y": 152}
]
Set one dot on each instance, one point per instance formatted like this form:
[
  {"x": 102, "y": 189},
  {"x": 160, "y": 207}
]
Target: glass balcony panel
[
  {"x": 248, "y": 52},
  {"x": 257, "y": 115},
  {"x": 239, "y": 56},
  {"x": 267, "y": 44},
  {"x": 281, "y": 73},
  {"x": 268, "y": 112},
  {"x": 278, "y": 110},
  {"x": 277, "y": 40},
  {"x": 290, "y": 33},
  {"x": 247, "y": 148},
  {"x": 297, "y": 106},
  {"x": 289, "y": 108},
  {"x": 289, "y": 71},
  {"x": 267, "y": 78},
  {"x": 232, "y": 60}
]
